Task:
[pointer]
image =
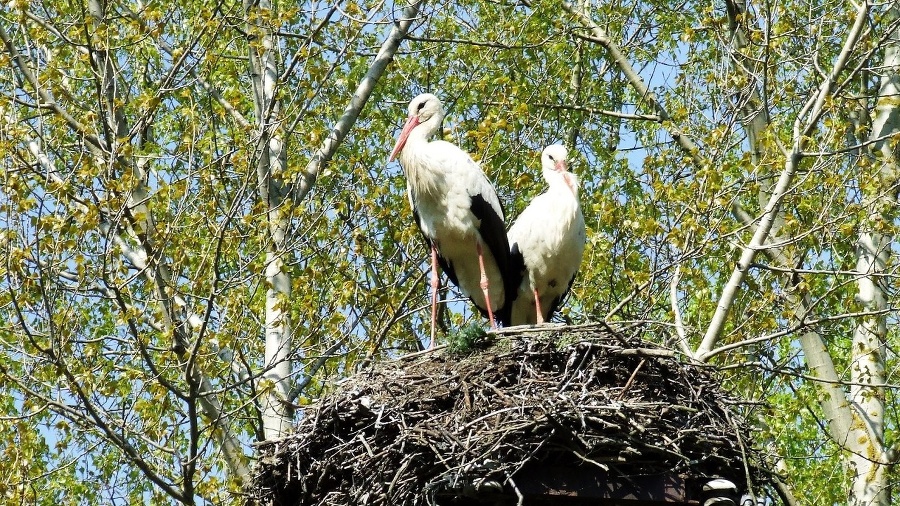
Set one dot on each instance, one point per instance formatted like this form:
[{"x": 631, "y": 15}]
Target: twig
[{"x": 631, "y": 379}]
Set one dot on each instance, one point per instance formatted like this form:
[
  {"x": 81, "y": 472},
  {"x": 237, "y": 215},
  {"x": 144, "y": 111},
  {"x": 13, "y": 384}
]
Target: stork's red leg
[
  {"x": 537, "y": 307},
  {"x": 434, "y": 294},
  {"x": 484, "y": 284}
]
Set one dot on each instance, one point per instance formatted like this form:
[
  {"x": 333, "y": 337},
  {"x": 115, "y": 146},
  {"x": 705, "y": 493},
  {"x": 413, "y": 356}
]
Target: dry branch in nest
[{"x": 523, "y": 418}]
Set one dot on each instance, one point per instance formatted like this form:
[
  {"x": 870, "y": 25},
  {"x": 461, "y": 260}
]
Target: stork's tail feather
[{"x": 512, "y": 278}]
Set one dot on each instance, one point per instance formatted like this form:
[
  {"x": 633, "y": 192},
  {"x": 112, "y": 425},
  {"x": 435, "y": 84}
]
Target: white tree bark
[
  {"x": 141, "y": 253},
  {"x": 274, "y": 385},
  {"x": 867, "y": 465},
  {"x": 277, "y": 394},
  {"x": 856, "y": 422},
  {"x": 143, "y": 229}
]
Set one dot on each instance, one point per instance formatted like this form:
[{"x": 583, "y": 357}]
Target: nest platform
[{"x": 607, "y": 419}]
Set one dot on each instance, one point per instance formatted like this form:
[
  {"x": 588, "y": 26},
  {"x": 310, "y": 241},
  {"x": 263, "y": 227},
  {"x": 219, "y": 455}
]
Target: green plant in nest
[{"x": 467, "y": 339}]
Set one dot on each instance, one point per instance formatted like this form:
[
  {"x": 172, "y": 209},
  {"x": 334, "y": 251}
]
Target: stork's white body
[
  {"x": 456, "y": 207},
  {"x": 442, "y": 181},
  {"x": 547, "y": 242}
]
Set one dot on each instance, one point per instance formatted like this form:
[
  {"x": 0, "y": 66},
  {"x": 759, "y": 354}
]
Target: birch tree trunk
[
  {"x": 276, "y": 387},
  {"x": 271, "y": 157},
  {"x": 857, "y": 423},
  {"x": 868, "y": 465}
]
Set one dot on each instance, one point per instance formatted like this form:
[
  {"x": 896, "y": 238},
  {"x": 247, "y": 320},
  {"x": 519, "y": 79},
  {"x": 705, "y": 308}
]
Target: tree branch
[
  {"x": 93, "y": 141},
  {"x": 729, "y": 293},
  {"x": 811, "y": 112},
  {"x": 360, "y": 96},
  {"x": 599, "y": 36},
  {"x": 818, "y": 360},
  {"x": 676, "y": 314}
]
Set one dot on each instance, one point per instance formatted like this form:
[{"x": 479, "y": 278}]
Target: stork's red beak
[
  {"x": 562, "y": 167},
  {"x": 411, "y": 123}
]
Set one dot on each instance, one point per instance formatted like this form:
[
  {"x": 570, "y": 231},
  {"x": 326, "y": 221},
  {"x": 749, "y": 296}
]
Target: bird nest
[{"x": 522, "y": 419}]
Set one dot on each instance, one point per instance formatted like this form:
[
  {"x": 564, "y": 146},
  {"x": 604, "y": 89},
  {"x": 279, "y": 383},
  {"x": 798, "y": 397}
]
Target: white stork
[
  {"x": 547, "y": 243},
  {"x": 457, "y": 210}
]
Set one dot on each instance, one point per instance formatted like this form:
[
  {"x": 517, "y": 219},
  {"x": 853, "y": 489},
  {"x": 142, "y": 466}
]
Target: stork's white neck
[
  {"x": 423, "y": 172},
  {"x": 417, "y": 142},
  {"x": 426, "y": 129},
  {"x": 564, "y": 182}
]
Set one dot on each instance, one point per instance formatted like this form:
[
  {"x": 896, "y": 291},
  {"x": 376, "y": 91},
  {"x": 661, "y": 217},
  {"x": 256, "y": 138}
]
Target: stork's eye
[
  {"x": 551, "y": 157},
  {"x": 421, "y": 105}
]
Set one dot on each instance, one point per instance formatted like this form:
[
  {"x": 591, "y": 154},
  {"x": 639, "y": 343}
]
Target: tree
[{"x": 202, "y": 231}]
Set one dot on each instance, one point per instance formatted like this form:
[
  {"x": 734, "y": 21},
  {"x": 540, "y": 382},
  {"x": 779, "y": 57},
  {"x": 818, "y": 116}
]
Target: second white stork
[
  {"x": 456, "y": 208},
  {"x": 547, "y": 242}
]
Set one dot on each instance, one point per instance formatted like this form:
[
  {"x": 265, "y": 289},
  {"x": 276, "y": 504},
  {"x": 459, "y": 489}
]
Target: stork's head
[
  {"x": 555, "y": 164},
  {"x": 426, "y": 106},
  {"x": 425, "y": 114}
]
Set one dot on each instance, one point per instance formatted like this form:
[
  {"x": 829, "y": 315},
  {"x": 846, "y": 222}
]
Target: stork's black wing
[
  {"x": 559, "y": 301},
  {"x": 493, "y": 233},
  {"x": 515, "y": 274}
]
